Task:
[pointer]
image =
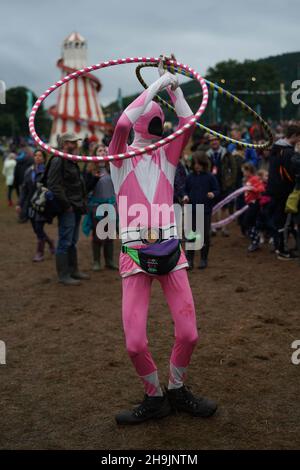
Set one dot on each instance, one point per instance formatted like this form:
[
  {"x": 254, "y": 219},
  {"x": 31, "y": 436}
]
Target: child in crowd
[
  {"x": 100, "y": 188},
  {"x": 264, "y": 220},
  {"x": 201, "y": 188},
  {"x": 252, "y": 198}
]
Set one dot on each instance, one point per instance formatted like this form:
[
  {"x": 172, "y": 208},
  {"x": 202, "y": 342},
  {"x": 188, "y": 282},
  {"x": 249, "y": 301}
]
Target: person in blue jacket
[
  {"x": 250, "y": 153},
  {"x": 201, "y": 187}
]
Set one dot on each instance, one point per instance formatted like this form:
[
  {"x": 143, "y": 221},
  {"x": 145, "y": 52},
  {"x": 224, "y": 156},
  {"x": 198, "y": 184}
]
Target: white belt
[{"x": 147, "y": 235}]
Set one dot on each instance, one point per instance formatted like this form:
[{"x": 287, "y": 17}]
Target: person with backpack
[
  {"x": 224, "y": 166},
  {"x": 293, "y": 204},
  {"x": 32, "y": 177},
  {"x": 65, "y": 182},
  {"x": 281, "y": 183}
]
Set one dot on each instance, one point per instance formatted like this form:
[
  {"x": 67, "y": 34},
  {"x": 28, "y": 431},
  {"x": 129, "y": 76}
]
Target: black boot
[
  {"x": 150, "y": 408},
  {"x": 203, "y": 263},
  {"x": 73, "y": 265},
  {"x": 204, "y": 255},
  {"x": 109, "y": 254},
  {"x": 182, "y": 399},
  {"x": 190, "y": 258},
  {"x": 63, "y": 271},
  {"x": 96, "y": 255}
]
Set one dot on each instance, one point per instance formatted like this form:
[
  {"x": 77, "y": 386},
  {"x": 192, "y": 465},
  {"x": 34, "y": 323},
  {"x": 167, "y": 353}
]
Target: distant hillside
[
  {"x": 269, "y": 73},
  {"x": 287, "y": 65}
]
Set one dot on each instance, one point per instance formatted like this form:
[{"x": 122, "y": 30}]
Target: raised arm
[
  {"x": 134, "y": 111},
  {"x": 184, "y": 113}
]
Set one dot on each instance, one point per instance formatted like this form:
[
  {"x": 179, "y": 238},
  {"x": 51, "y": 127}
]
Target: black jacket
[
  {"x": 295, "y": 161},
  {"x": 227, "y": 169},
  {"x": 21, "y": 167},
  {"x": 31, "y": 178},
  {"x": 198, "y": 185},
  {"x": 179, "y": 182},
  {"x": 65, "y": 181},
  {"x": 281, "y": 180}
]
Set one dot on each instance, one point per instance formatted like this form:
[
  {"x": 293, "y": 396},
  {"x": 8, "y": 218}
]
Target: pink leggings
[{"x": 135, "y": 303}]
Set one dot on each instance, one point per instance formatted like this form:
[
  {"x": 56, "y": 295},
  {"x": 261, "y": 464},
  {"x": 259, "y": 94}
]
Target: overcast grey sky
[{"x": 199, "y": 32}]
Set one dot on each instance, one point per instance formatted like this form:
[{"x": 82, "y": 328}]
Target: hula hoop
[
  {"x": 130, "y": 154},
  {"x": 226, "y": 200},
  {"x": 221, "y": 91}
]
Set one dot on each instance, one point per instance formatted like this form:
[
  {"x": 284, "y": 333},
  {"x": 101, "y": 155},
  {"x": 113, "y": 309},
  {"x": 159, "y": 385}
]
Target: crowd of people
[
  {"x": 214, "y": 171},
  {"x": 75, "y": 192},
  {"x": 207, "y": 173}
]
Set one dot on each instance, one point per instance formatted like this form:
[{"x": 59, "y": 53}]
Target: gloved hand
[
  {"x": 162, "y": 70},
  {"x": 168, "y": 80},
  {"x": 181, "y": 106}
]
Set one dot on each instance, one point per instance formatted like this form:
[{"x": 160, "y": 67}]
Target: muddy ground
[{"x": 67, "y": 371}]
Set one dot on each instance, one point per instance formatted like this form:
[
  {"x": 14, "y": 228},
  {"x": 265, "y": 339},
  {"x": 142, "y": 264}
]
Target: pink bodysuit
[{"x": 148, "y": 180}]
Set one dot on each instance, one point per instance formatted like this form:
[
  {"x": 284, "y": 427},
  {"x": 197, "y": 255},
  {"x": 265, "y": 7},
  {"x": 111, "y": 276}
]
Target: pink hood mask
[{"x": 141, "y": 126}]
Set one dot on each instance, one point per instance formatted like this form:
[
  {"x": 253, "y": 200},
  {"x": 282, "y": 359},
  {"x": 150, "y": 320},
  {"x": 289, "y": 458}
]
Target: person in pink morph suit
[{"x": 148, "y": 180}]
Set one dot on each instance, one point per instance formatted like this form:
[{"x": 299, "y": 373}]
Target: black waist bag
[{"x": 158, "y": 258}]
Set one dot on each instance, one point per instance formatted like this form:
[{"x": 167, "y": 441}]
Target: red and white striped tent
[{"x": 78, "y": 109}]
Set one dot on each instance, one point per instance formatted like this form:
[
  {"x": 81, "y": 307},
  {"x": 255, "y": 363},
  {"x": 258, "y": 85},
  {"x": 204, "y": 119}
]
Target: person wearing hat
[
  {"x": 65, "y": 181},
  {"x": 224, "y": 167}
]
